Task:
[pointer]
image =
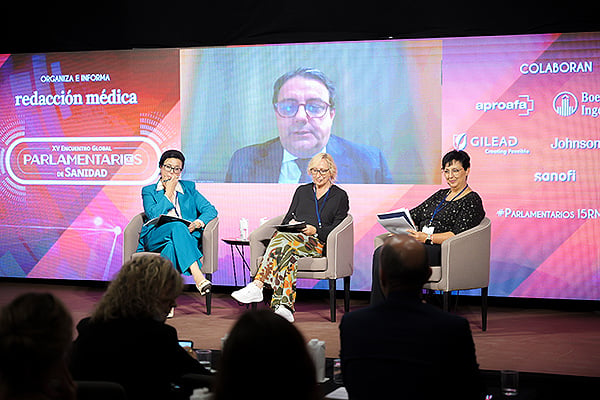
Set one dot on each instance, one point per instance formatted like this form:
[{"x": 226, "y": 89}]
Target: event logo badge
[
  {"x": 565, "y": 104},
  {"x": 82, "y": 160}
]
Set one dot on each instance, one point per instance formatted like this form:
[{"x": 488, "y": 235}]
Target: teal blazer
[{"x": 192, "y": 204}]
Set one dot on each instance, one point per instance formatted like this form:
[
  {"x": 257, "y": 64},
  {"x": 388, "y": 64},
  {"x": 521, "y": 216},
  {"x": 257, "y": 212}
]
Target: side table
[{"x": 238, "y": 245}]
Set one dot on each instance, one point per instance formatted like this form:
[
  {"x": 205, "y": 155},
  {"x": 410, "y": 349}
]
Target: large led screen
[{"x": 81, "y": 132}]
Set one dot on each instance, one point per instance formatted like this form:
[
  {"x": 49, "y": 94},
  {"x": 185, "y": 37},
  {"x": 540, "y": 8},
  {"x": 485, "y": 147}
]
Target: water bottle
[
  {"x": 201, "y": 394},
  {"x": 316, "y": 348},
  {"x": 243, "y": 229},
  {"x": 223, "y": 340}
]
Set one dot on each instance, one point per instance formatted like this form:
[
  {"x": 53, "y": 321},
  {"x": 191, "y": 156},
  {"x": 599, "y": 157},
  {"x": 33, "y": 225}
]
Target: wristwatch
[{"x": 429, "y": 239}]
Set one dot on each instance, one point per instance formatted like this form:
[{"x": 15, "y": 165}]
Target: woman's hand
[
  {"x": 309, "y": 230},
  {"x": 191, "y": 352},
  {"x": 195, "y": 225},
  {"x": 169, "y": 183},
  {"x": 419, "y": 236}
]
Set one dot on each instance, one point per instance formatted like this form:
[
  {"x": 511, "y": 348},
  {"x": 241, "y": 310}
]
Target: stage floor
[{"x": 529, "y": 340}]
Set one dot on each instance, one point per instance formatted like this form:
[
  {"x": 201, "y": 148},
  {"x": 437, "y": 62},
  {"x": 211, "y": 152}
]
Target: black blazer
[
  {"x": 333, "y": 208},
  {"x": 143, "y": 355}
]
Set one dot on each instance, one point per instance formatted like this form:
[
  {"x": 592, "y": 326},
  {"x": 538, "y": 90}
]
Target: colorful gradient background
[{"x": 75, "y": 232}]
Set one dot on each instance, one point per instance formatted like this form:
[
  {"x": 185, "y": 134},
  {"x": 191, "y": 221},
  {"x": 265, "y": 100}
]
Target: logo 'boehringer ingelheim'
[{"x": 565, "y": 104}]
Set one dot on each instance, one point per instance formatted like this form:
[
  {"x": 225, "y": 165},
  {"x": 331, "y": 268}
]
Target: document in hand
[
  {"x": 163, "y": 219},
  {"x": 294, "y": 227},
  {"x": 397, "y": 221}
]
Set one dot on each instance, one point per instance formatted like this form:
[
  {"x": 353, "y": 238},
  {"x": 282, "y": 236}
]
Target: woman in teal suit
[{"x": 174, "y": 240}]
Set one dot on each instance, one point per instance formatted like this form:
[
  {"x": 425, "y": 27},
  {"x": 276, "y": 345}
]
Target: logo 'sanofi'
[
  {"x": 493, "y": 144},
  {"x": 562, "y": 176},
  {"x": 523, "y": 104}
]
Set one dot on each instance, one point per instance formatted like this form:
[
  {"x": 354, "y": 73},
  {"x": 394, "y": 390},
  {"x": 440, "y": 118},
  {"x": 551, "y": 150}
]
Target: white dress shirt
[
  {"x": 290, "y": 172},
  {"x": 176, "y": 211}
]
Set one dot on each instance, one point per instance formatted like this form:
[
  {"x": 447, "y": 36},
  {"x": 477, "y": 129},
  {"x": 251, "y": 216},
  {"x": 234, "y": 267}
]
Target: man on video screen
[{"x": 304, "y": 103}]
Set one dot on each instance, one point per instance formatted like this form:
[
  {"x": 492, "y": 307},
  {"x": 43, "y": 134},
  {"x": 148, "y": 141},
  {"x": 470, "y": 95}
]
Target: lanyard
[
  {"x": 442, "y": 203},
  {"x": 322, "y": 205}
]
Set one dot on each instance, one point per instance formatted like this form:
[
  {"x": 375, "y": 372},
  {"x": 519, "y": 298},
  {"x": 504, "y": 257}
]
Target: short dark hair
[
  {"x": 457, "y": 155},
  {"x": 307, "y": 73},
  {"x": 404, "y": 266},
  {"x": 171, "y": 154},
  {"x": 256, "y": 339}
]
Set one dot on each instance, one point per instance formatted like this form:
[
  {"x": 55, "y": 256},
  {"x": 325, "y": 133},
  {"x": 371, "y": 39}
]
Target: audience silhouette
[
  {"x": 404, "y": 347},
  {"x": 126, "y": 339},
  {"x": 36, "y": 331},
  {"x": 265, "y": 356}
]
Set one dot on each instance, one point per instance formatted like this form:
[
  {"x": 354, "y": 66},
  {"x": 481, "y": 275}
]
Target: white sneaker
[
  {"x": 285, "y": 313},
  {"x": 249, "y": 294}
]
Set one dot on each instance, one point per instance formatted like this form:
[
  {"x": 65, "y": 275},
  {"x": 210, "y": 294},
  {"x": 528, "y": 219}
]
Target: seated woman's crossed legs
[{"x": 279, "y": 270}]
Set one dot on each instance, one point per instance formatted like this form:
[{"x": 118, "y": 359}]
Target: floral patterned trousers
[{"x": 279, "y": 268}]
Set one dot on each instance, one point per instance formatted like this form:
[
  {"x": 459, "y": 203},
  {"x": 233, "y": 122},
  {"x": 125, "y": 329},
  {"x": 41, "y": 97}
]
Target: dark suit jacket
[
  {"x": 406, "y": 349},
  {"x": 356, "y": 163}
]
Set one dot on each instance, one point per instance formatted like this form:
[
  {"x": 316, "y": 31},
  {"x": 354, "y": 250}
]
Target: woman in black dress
[{"x": 444, "y": 214}]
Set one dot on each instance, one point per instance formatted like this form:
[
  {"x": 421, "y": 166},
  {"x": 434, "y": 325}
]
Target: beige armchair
[
  {"x": 210, "y": 247},
  {"x": 337, "y": 263},
  {"x": 465, "y": 264}
]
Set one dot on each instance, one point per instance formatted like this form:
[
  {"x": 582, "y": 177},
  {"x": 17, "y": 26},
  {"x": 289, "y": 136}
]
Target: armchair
[
  {"x": 210, "y": 247},
  {"x": 465, "y": 264}
]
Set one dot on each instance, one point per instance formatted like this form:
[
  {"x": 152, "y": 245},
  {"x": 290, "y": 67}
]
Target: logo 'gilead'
[{"x": 460, "y": 141}]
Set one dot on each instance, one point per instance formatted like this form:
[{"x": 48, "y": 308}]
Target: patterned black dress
[{"x": 454, "y": 216}]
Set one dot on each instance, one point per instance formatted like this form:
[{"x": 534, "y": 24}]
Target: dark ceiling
[{"x": 76, "y": 25}]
